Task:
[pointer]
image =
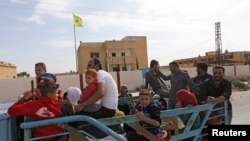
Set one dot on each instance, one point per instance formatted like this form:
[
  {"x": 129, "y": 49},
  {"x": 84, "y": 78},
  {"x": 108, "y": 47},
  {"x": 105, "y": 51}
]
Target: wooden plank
[
  {"x": 145, "y": 132},
  {"x": 173, "y": 124},
  {"x": 74, "y": 134}
]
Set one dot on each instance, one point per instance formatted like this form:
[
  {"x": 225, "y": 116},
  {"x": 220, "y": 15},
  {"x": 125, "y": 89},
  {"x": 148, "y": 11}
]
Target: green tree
[{"x": 23, "y": 74}]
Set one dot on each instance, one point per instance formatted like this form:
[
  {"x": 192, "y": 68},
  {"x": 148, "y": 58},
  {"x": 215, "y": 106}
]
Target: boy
[
  {"x": 91, "y": 80},
  {"x": 44, "y": 107},
  {"x": 40, "y": 68},
  {"x": 152, "y": 123},
  {"x": 125, "y": 107},
  {"x": 42, "y": 79}
]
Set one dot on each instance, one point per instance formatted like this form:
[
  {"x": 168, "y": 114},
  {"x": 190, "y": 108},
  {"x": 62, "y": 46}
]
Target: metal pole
[{"x": 75, "y": 49}]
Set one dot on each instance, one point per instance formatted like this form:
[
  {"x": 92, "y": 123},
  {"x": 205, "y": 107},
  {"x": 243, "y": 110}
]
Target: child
[
  {"x": 125, "y": 107},
  {"x": 146, "y": 106},
  {"x": 186, "y": 98},
  {"x": 91, "y": 80},
  {"x": 72, "y": 96},
  {"x": 124, "y": 92},
  {"x": 42, "y": 79},
  {"x": 40, "y": 68},
  {"x": 45, "y": 107},
  {"x": 163, "y": 104}
]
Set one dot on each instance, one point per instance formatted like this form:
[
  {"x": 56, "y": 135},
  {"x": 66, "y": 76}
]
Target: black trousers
[
  {"x": 102, "y": 113},
  {"x": 91, "y": 129}
]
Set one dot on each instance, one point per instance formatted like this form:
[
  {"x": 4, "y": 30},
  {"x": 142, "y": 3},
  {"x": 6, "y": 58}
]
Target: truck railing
[{"x": 169, "y": 116}]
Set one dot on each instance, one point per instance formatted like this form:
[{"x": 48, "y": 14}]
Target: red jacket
[
  {"x": 89, "y": 90},
  {"x": 42, "y": 108}
]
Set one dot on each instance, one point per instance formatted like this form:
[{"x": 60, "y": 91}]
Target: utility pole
[{"x": 218, "y": 46}]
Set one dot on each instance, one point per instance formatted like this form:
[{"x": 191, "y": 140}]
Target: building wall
[
  {"x": 83, "y": 54},
  {"x": 7, "y": 70},
  {"x": 228, "y": 59},
  {"x": 129, "y": 52},
  {"x": 11, "y": 89}
]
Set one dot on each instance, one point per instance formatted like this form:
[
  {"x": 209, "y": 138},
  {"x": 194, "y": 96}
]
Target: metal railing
[{"x": 132, "y": 120}]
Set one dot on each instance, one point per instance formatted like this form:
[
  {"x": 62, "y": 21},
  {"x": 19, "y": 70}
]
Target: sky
[{"x": 42, "y": 30}]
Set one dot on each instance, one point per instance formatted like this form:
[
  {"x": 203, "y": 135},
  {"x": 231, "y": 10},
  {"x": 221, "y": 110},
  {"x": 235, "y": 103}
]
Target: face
[
  {"x": 54, "y": 95},
  {"x": 198, "y": 70},
  {"x": 162, "y": 104},
  {"x": 39, "y": 70},
  {"x": 157, "y": 67},
  {"x": 124, "y": 91},
  {"x": 91, "y": 65},
  {"x": 218, "y": 74},
  {"x": 145, "y": 100},
  {"x": 89, "y": 79},
  {"x": 172, "y": 68},
  {"x": 46, "y": 80}
]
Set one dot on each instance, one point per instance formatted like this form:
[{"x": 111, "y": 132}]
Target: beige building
[
  {"x": 129, "y": 53},
  {"x": 227, "y": 59},
  {"x": 7, "y": 70}
]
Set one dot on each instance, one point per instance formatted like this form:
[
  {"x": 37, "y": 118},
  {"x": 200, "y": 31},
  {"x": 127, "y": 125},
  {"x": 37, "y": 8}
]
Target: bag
[{"x": 180, "y": 123}]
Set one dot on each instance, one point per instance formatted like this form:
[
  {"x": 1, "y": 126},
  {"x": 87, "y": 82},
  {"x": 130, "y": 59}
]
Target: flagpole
[{"x": 75, "y": 48}]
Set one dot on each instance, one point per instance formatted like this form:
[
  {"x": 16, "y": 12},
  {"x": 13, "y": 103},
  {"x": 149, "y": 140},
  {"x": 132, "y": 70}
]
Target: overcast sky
[{"x": 42, "y": 30}]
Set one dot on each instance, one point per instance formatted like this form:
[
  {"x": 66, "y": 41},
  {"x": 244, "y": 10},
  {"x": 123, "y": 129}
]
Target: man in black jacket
[
  {"x": 217, "y": 90},
  {"x": 154, "y": 78}
]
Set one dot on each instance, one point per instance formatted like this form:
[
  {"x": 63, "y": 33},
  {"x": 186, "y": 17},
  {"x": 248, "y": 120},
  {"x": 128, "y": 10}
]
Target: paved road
[{"x": 241, "y": 107}]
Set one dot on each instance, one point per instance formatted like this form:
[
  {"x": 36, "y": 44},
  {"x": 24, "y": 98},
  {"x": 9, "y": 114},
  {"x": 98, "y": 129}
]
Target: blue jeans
[
  {"x": 171, "y": 103},
  {"x": 229, "y": 115}
]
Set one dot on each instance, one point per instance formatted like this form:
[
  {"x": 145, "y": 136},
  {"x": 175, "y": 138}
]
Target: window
[
  {"x": 113, "y": 54},
  {"x": 245, "y": 55},
  {"x": 94, "y": 54},
  {"x": 116, "y": 69},
  {"x": 123, "y": 54}
]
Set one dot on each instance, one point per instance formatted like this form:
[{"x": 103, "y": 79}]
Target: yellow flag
[{"x": 77, "y": 20}]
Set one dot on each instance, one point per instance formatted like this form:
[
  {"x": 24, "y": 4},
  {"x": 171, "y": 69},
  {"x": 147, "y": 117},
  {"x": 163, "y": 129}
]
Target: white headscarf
[{"x": 73, "y": 94}]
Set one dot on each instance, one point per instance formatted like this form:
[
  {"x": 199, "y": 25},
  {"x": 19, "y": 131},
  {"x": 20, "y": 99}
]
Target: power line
[{"x": 192, "y": 47}]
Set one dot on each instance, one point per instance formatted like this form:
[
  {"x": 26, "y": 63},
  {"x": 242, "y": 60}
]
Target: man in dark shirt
[
  {"x": 154, "y": 79},
  {"x": 218, "y": 89},
  {"x": 179, "y": 79},
  {"x": 202, "y": 77}
]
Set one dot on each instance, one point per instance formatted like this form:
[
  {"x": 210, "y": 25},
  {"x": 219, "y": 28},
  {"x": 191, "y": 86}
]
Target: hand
[
  {"x": 178, "y": 104},
  {"x": 79, "y": 107},
  {"x": 28, "y": 95},
  {"x": 211, "y": 99},
  {"x": 140, "y": 114}
]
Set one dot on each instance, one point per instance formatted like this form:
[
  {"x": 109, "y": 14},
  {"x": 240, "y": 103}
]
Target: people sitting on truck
[
  {"x": 45, "y": 107},
  {"x": 72, "y": 97},
  {"x": 152, "y": 123},
  {"x": 125, "y": 107},
  {"x": 185, "y": 98}
]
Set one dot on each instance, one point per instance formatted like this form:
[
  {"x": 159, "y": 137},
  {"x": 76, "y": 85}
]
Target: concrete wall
[{"x": 10, "y": 89}]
